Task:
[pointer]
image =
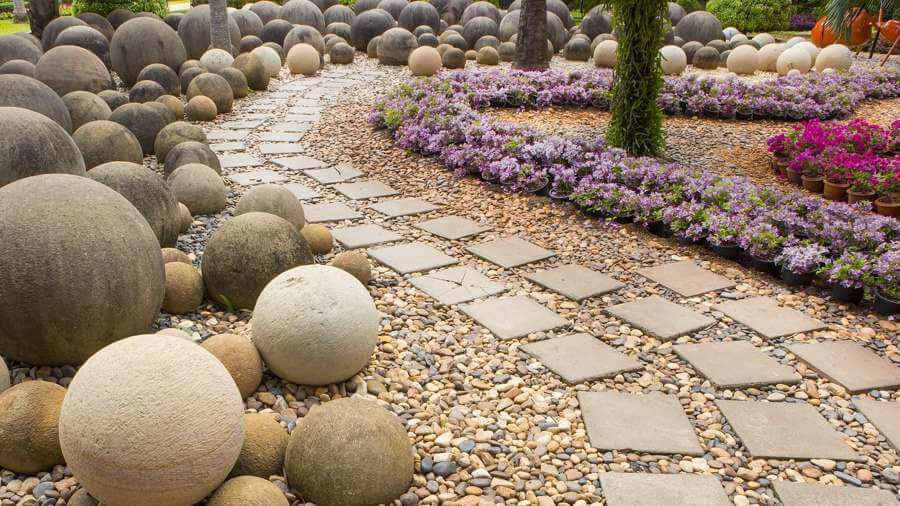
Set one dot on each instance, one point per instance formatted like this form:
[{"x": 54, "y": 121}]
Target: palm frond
[{"x": 840, "y": 13}]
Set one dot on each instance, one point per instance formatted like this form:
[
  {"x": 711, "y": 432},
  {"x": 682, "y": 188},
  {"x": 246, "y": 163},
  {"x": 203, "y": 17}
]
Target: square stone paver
[
  {"x": 651, "y": 423},
  {"x": 574, "y": 281},
  {"x": 239, "y": 160},
  {"x": 452, "y": 227},
  {"x": 885, "y": 416},
  {"x": 736, "y": 364},
  {"x": 256, "y": 177},
  {"x": 811, "y": 494},
  {"x": 581, "y": 357},
  {"x": 362, "y": 190},
  {"x": 660, "y": 317},
  {"x": 403, "y": 207},
  {"x": 686, "y": 278},
  {"x": 855, "y": 367},
  {"x": 302, "y": 192},
  {"x": 510, "y": 252},
  {"x": 332, "y": 175},
  {"x": 243, "y": 124},
  {"x": 457, "y": 285},
  {"x": 227, "y": 135},
  {"x": 309, "y": 110},
  {"x": 364, "y": 235},
  {"x": 512, "y": 317},
  {"x": 228, "y": 146},
  {"x": 299, "y": 162},
  {"x": 644, "y": 489},
  {"x": 329, "y": 211},
  {"x": 279, "y": 148},
  {"x": 767, "y": 318},
  {"x": 290, "y": 126},
  {"x": 785, "y": 431},
  {"x": 280, "y": 137},
  {"x": 412, "y": 257}
]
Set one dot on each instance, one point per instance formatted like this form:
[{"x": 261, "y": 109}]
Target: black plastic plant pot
[
  {"x": 793, "y": 279},
  {"x": 767, "y": 266},
  {"x": 884, "y": 305},
  {"x": 658, "y": 228},
  {"x": 729, "y": 251},
  {"x": 847, "y": 295},
  {"x": 624, "y": 218},
  {"x": 688, "y": 241}
]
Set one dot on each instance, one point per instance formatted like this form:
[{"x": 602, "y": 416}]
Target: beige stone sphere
[
  {"x": 270, "y": 59},
  {"x": 184, "y": 288},
  {"x": 837, "y": 57},
  {"x": 605, "y": 54},
  {"x": 29, "y": 416},
  {"x": 240, "y": 357},
  {"x": 200, "y": 108},
  {"x": 673, "y": 60},
  {"x": 424, "y": 61},
  {"x": 264, "y": 445},
  {"x": 303, "y": 59},
  {"x": 216, "y": 59},
  {"x": 794, "y": 58},
  {"x": 319, "y": 238},
  {"x": 810, "y": 48},
  {"x": 768, "y": 57},
  {"x": 743, "y": 60},
  {"x": 248, "y": 491}
]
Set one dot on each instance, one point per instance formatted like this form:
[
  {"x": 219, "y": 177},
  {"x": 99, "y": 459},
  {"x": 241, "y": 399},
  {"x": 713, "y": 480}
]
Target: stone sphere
[
  {"x": 393, "y": 7},
  {"x": 700, "y": 26},
  {"x": 237, "y": 80},
  {"x": 487, "y": 40},
  {"x": 368, "y": 25},
  {"x": 605, "y": 54},
  {"x": 419, "y": 13},
  {"x": 480, "y": 9},
  {"x": 191, "y": 152},
  {"x": 561, "y": 10},
  {"x": 186, "y": 218},
  {"x": 341, "y": 53},
  {"x": 736, "y": 43},
  {"x": 319, "y": 238},
  {"x": 275, "y": 31},
  {"x": 395, "y": 46},
  {"x": 105, "y": 141},
  {"x": 241, "y": 358},
  {"x": 4, "y": 375},
  {"x": 118, "y": 17},
  {"x": 597, "y": 21},
  {"x": 18, "y": 48},
  {"x": 763, "y": 39},
  {"x": 372, "y": 48},
  {"x": 811, "y": 49},
  {"x": 339, "y": 14},
  {"x": 200, "y": 108},
  {"x": 247, "y": 490},
  {"x": 272, "y": 199},
  {"x": 174, "y": 134},
  {"x": 507, "y": 51},
  {"x": 321, "y": 437},
  {"x": 184, "y": 288},
  {"x": 198, "y": 187},
  {"x": 478, "y": 28},
  {"x": 20, "y": 67},
  {"x": 718, "y": 44},
  {"x": 162, "y": 74},
  {"x": 216, "y": 59},
  {"x": 173, "y": 20},
  {"x": 33, "y": 144},
  {"x": 427, "y": 39},
  {"x": 142, "y": 120},
  {"x": 795, "y": 58},
  {"x": 270, "y": 59},
  {"x": 354, "y": 263},
  {"x": 119, "y": 457},
  {"x": 29, "y": 418},
  {"x": 676, "y": 12},
  {"x": 304, "y": 34},
  {"x": 175, "y": 106},
  {"x": 730, "y": 32},
  {"x": 743, "y": 60},
  {"x": 690, "y": 48},
  {"x": 254, "y": 71},
  {"x": 454, "y": 58},
  {"x": 87, "y": 38},
  {"x": 457, "y": 41},
  {"x": 303, "y": 12},
  {"x": 768, "y": 57},
  {"x": 279, "y": 50},
  {"x": 266, "y": 10},
  {"x": 188, "y": 75},
  {"x": 342, "y": 30},
  {"x": 145, "y": 91},
  {"x": 793, "y": 41},
  {"x": 141, "y": 42},
  {"x": 836, "y": 56},
  {"x": 330, "y": 346},
  {"x": 424, "y": 61},
  {"x": 194, "y": 31},
  {"x": 556, "y": 32},
  {"x": 45, "y": 278},
  {"x": 264, "y": 445},
  {"x": 577, "y": 49},
  {"x": 247, "y": 252},
  {"x": 303, "y": 59},
  {"x": 214, "y": 87},
  {"x": 249, "y": 43},
  {"x": 70, "y": 68},
  {"x": 673, "y": 60},
  {"x": 28, "y": 93},
  {"x": 487, "y": 56},
  {"x": 174, "y": 255},
  {"x": 249, "y": 23},
  {"x": 147, "y": 192},
  {"x": 55, "y": 27},
  {"x": 706, "y": 58}
]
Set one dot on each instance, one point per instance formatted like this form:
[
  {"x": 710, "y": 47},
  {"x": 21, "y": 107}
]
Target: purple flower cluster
[{"x": 803, "y": 21}]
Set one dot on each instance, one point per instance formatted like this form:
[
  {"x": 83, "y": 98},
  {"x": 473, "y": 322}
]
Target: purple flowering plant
[
  {"x": 885, "y": 271},
  {"x": 802, "y": 258},
  {"x": 850, "y": 270}
]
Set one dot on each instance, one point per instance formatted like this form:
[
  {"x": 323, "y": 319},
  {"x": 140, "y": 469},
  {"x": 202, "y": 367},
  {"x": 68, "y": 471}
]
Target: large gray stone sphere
[
  {"x": 249, "y": 23},
  {"x": 215, "y": 87},
  {"x": 341, "y": 54},
  {"x": 577, "y": 49},
  {"x": 63, "y": 300},
  {"x": 34, "y": 144},
  {"x": 272, "y": 199},
  {"x": 164, "y": 75},
  {"x": 177, "y": 462},
  {"x": 173, "y": 20},
  {"x": 147, "y": 192},
  {"x": 341, "y": 30},
  {"x": 395, "y": 46},
  {"x": 480, "y": 9},
  {"x": 330, "y": 346},
  {"x": 249, "y": 43},
  {"x": 70, "y": 68},
  {"x": 487, "y": 56},
  {"x": 324, "y": 5},
  {"x": 339, "y": 14},
  {"x": 318, "y": 450},
  {"x": 253, "y": 69},
  {"x": 187, "y": 76},
  {"x": 266, "y": 10},
  {"x": 368, "y": 25},
  {"x": 145, "y": 91},
  {"x": 556, "y": 32},
  {"x": 107, "y": 141},
  {"x": 174, "y": 134},
  {"x": 700, "y": 26},
  {"x": 275, "y": 31},
  {"x": 676, "y": 12},
  {"x": 419, "y": 13},
  {"x": 478, "y": 28},
  {"x": 18, "y": 48},
  {"x": 372, "y": 47},
  {"x": 194, "y": 31},
  {"x": 27, "y": 93},
  {"x": 85, "y": 107},
  {"x": 454, "y": 58},
  {"x": 706, "y": 58},
  {"x": 303, "y": 12},
  {"x": 198, "y": 187},
  {"x": 237, "y": 80},
  {"x": 487, "y": 40},
  {"x": 393, "y": 7},
  {"x": 143, "y": 121},
  {"x": 191, "y": 152},
  {"x": 19, "y": 67},
  {"x": 365, "y": 5},
  {"x": 88, "y": 38},
  {"x": 305, "y": 34},
  {"x": 141, "y": 42},
  {"x": 596, "y": 22},
  {"x": 509, "y": 25},
  {"x": 98, "y": 22},
  {"x": 118, "y": 17},
  {"x": 718, "y": 44},
  {"x": 246, "y": 253},
  {"x": 55, "y": 27}
]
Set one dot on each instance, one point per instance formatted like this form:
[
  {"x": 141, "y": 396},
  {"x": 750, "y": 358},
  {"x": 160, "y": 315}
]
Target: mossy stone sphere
[
  {"x": 141, "y": 42},
  {"x": 70, "y": 68},
  {"x": 239, "y": 355},
  {"x": 174, "y": 255},
  {"x": 419, "y": 13},
  {"x": 191, "y": 152},
  {"x": 303, "y": 59},
  {"x": 85, "y": 107},
  {"x": 263, "y": 452},
  {"x": 272, "y": 199},
  {"x": 29, "y": 416},
  {"x": 706, "y": 58},
  {"x": 354, "y": 263},
  {"x": 507, "y": 51},
  {"x": 33, "y": 144},
  {"x": 143, "y": 121},
  {"x": 488, "y": 56},
  {"x": 200, "y": 108},
  {"x": 214, "y": 87},
  {"x": 322, "y": 466},
  {"x": 453, "y": 58},
  {"x": 160, "y": 109},
  {"x": 480, "y": 9},
  {"x": 28, "y": 93},
  {"x": 18, "y": 67},
  {"x": 114, "y": 99},
  {"x": 175, "y": 105},
  {"x": 164, "y": 75},
  {"x": 184, "y": 288},
  {"x": 237, "y": 81},
  {"x": 319, "y": 238},
  {"x": 145, "y": 91},
  {"x": 199, "y": 188},
  {"x": 341, "y": 54},
  {"x": 471, "y": 54},
  {"x": 176, "y": 133},
  {"x": 424, "y": 61},
  {"x": 118, "y": 456},
  {"x": 254, "y": 70},
  {"x": 107, "y": 141},
  {"x": 487, "y": 40},
  {"x": 246, "y": 490},
  {"x": 54, "y": 223}
]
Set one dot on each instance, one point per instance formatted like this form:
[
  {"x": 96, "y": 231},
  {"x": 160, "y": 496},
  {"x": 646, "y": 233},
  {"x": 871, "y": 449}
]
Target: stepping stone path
[
  {"x": 279, "y": 148},
  {"x": 403, "y": 207},
  {"x": 363, "y": 190},
  {"x": 301, "y": 191},
  {"x": 512, "y": 317},
  {"x": 639, "y": 489},
  {"x": 850, "y": 365},
  {"x": 412, "y": 257},
  {"x": 239, "y": 160},
  {"x": 329, "y": 211},
  {"x": 256, "y": 177},
  {"x": 510, "y": 252},
  {"x": 332, "y": 175},
  {"x": 808, "y": 494},
  {"x": 885, "y": 416},
  {"x": 660, "y": 317},
  {"x": 581, "y": 357},
  {"x": 767, "y": 318},
  {"x": 364, "y": 235},
  {"x": 457, "y": 285},
  {"x": 574, "y": 281},
  {"x": 686, "y": 278},
  {"x": 736, "y": 364},
  {"x": 452, "y": 227},
  {"x": 300, "y": 162}
]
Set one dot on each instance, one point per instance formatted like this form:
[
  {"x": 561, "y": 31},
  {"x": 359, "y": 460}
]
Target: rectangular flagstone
[
  {"x": 302, "y": 192},
  {"x": 329, "y": 211},
  {"x": 853, "y": 366},
  {"x": 299, "y": 162},
  {"x": 412, "y": 257},
  {"x": 302, "y": 117},
  {"x": 306, "y": 110},
  {"x": 256, "y": 177},
  {"x": 239, "y": 160},
  {"x": 403, "y": 207},
  {"x": 280, "y": 137},
  {"x": 767, "y": 318},
  {"x": 647, "y": 423},
  {"x": 452, "y": 227},
  {"x": 811, "y": 494},
  {"x": 782, "y": 430},
  {"x": 510, "y": 252},
  {"x": 362, "y": 236},
  {"x": 290, "y": 126},
  {"x": 228, "y": 146},
  {"x": 686, "y": 278},
  {"x": 363, "y": 190},
  {"x": 645, "y": 489},
  {"x": 512, "y": 317},
  {"x": 243, "y": 124},
  {"x": 279, "y": 148},
  {"x": 456, "y": 285},
  {"x": 660, "y": 317},
  {"x": 581, "y": 357},
  {"x": 574, "y": 281},
  {"x": 227, "y": 135},
  {"x": 735, "y": 364},
  {"x": 332, "y": 175},
  {"x": 885, "y": 416}
]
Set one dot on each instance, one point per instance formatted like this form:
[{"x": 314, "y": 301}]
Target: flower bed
[{"x": 801, "y": 235}]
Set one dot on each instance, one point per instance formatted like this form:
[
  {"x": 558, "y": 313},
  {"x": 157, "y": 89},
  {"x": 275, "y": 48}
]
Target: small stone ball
[
  {"x": 106, "y": 141},
  {"x": 354, "y": 263},
  {"x": 145, "y": 91},
  {"x": 718, "y": 44},
  {"x": 215, "y": 87},
  {"x": 507, "y": 51},
  {"x": 763, "y": 39},
  {"x": 18, "y": 67},
  {"x": 174, "y": 104},
  {"x": 85, "y": 107},
  {"x": 303, "y": 59},
  {"x": 488, "y": 56},
  {"x": 723, "y": 57},
  {"x": 254, "y": 70},
  {"x": 177, "y": 462},
  {"x": 427, "y": 39},
  {"x": 332, "y": 41},
  {"x": 395, "y": 46},
  {"x": 471, "y": 54},
  {"x": 29, "y": 416},
  {"x": 20, "y": 47},
  {"x": 269, "y": 58},
  {"x": 605, "y": 54},
  {"x": 247, "y": 490},
  {"x": 174, "y": 134},
  {"x": 706, "y": 58},
  {"x": 237, "y": 80},
  {"x": 372, "y": 47},
  {"x": 768, "y": 57},
  {"x": 811, "y": 49},
  {"x": 690, "y": 48},
  {"x": 279, "y": 50},
  {"x": 199, "y": 188},
  {"x": 184, "y": 288},
  {"x": 319, "y": 238},
  {"x": 238, "y": 354},
  {"x": 577, "y": 49},
  {"x": 4, "y": 376},
  {"x": 200, "y": 108},
  {"x": 216, "y": 59},
  {"x": 191, "y": 152},
  {"x": 341, "y": 53},
  {"x": 186, "y": 218},
  {"x": 266, "y": 10},
  {"x": 487, "y": 40},
  {"x": 272, "y": 199},
  {"x": 322, "y": 435},
  {"x": 424, "y": 61},
  {"x": 113, "y": 98},
  {"x": 305, "y": 34},
  {"x": 454, "y": 58},
  {"x": 339, "y": 14},
  {"x": 163, "y": 111},
  {"x": 143, "y": 121},
  {"x": 72, "y": 68},
  {"x": 249, "y": 43},
  {"x": 263, "y": 452},
  {"x": 836, "y": 56},
  {"x": 673, "y": 60},
  {"x": 32, "y": 144},
  {"x": 190, "y": 64},
  {"x": 174, "y": 255},
  {"x": 794, "y": 58},
  {"x": 249, "y": 23}
]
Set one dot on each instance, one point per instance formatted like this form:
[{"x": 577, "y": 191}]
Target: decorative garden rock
[
  {"x": 174, "y": 134},
  {"x": 478, "y": 28},
  {"x": 706, "y": 58},
  {"x": 174, "y": 255},
  {"x": 87, "y": 38},
  {"x": 488, "y": 56},
  {"x": 98, "y": 22},
  {"x": 145, "y": 91},
  {"x": 690, "y": 48},
  {"x": 34, "y": 144},
  {"x": 191, "y": 152},
  {"x": 556, "y": 32},
  {"x": 216, "y": 59},
  {"x": 55, "y": 27},
  {"x": 215, "y": 87},
  {"x": 141, "y": 42},
  {"x": 18, "y": 48},
  {"x": 237, "y": 80},
  {"x": 264, "y": 445},
  {"x": 184, "y": 288},
  {"x": 342, "y": 30},
  {"x": 118, "y": 17},
  {"x": 307, "y": 35},
  {"x": 186, "y": 218},
  {"x": 341, "y": 53},
  {"x": 768, "y": 57},
  {"x": 279, "y": 50},
  {"x": 240, "y": 357},
  {"x": 198, "y": 187},
  {"x": 811, "y": 49},
  {"x": 272, "y": 199},
  {"x": 194, "y": 31},
  {"x": 596, "y": 22},
  {"x": 247, "y": 490},
  {"x": 480, "y": 8},
  {"x": 577, "y": 49},
  {"x": 319, "y": 238},
  {"x": 419, "y": 13},
  {"x": 4, "y": 376},
  {"x": 368, "y": 25},
  {"x": 354, "y": 263},
  {"x": 393, "y": 7},
  {"x": 142, "y": 120},
  {"x": 700, "y": 26},
  {"x": 29, "y": 418},
  {"x": 173, "y": 20},
  {"x": 454, "y": 58},
  {"x": 28, "y": 93},
  {"x": 270, "y": 59},
  {"x": 395, "y": 46},
  {"x": 605, "y": 54},
  {"x": 174, "y": 105},
  {"x": 249, "y": 23},
  {"x": 20, "y": 67},
  {"x": 673, "y": 60},
  {"x": 107, "y": 141},
  {"x": 303, "y": 59},
  {"x": 249, "y": 43},
  {"x": 424, "y": 61},
  {"x": 836, "y": 56},
  {"x": 763, "y": 39},
  {"x": 507, "y": 52},
  {"x": 162, "y": 74},
  {"x": 70, "y": 68},
  {"x": 339, "y": 14},
  {"x": 487, "y": 40},
  {"x": 266, "y": 10},
  {"x": 254, "y": 71},
  {"x": 303, "y": 12},
  {"x": 793, "y": 58}
]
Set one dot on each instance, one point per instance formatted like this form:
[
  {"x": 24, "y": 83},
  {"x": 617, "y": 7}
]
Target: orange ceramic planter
[{"x": 860, "y": 31}]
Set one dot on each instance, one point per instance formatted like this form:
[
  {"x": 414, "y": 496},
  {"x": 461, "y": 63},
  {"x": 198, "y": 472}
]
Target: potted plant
[
  {"x": 862, "y": 187},
  {"x": 836, "y": 182},
  {"x": 885, "y": 279},
  {"x": 687, "y": 221},
  {"x": 847, "y": 276},
  {"x": 888, "y": 201},
  {"x": 649, "y": 212},
  {"x": 812, "y": 178},
  {"x": 762, "y": 242},
  {"x": 724, "y": 230},
  {"x": 799, "y": 263}
]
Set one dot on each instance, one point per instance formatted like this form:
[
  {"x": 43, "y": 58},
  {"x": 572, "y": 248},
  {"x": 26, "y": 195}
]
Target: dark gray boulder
[
  {"x": 141, "y": 42},
  {"x": 275, "y": 31},
  {"x": 71, "y": 68},
  {"x": 107, "y": 141},
  {"x": 85, "y": 107},
  {"x": 194, "y": 31},
  {"x": 163, "y": 75},
  {"x": 33, "y": 144},
  {"x": 88, "y": 38},
  {"x": 143, "y": 121},
  {"x": 28, "y": 93},
  {"x": 369, "y": 24}
]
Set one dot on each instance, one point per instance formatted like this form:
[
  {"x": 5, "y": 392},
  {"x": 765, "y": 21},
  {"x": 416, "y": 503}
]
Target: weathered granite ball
[
  {"x": 184, "y": 288},
  {"x": 303, "y": 12},
  {"x": 145, "y": 91},
  {"x": 342, "y": 30},
  {"x": 275, "y": 31},
  {"x": 341, "y": 53},
  {"x": 198, "y": 187},
  {"x": 254, "y": 70},
  {"x": 175, "y": 105},
  {"x": 18, "y": 48},
  {"x": 605, "y": 54},
  {"x": 322, "y": 435},
  {"x": 143, "y": 121},
  {"x": 29, "y": 416},
  {"x": 55, "y": 27},
  {"x": 836, "y": 56},
  {"x": 173, "y": 20},
  {"x": 147, "y": 192},
  {"x": 700, "y": 26},
  {"x": 186, "y": 218},
  {"x": 28, "y": 93},
  {"x": 177, "y": 462},
  {"x": 354, "y": 263},
  {"x": 118, "y": 17},
  {"x": 33, "y": 144},
  {"x": 70, "y": 68},
  {"x": 187, "y": 76},
  {"x": 319, "y": 238},
  {"x": 264, "y": 445},
  {"x": 598, "y": 20},
  {"x": 673, "y": 60},
  {"x": 214, "y": 87},
  {"x": 249, "y": 23},
  {"x": 330, "y": 346},
  {"x": 428, "y": 39},
  {"x": 19, "y": 67},
  {"x": 509, "y": 25},
  {"x": 369, "y": 24},
  {"x": 743, "y": 60},
  {"x": 266, "y": 10},
  {"x": 249, "y": 43},
  {"x": 718, "y": 44},
  {"x": 216, "y": 59},
  {"x": 763, "y": 39},
  {"x": 4, "y": 376},
  {"x": 162, "y": 74},
  {"x": 174, "y": 255},
  {"x": 457, "y": 41},
  {"x": 194, "y": 31},
  {"x": 421, "y": 29},
  {"x": 174, "y": 134},
  {"x": 272, "y": 199},
  {"x": 163, "y": 111},
  {"x": 706, "y": 58},
  {"x": 577, "y": 49},
  {"x": 480, "y": 9},
  {"x": 507, "y": 51},
  {"x": 690, "y": 48},
  {"x": 53, "y": 261},
  {"x": 270, "y": 59},
  {"x": 339, "y": 14},
  {"x": 556, "y": 32},
  {"x": 424, "y": 61},
  {"x": 141, "y": 42},
  {"x": 372, "y": 48},
  {"x": 811, "y": 49},
  {"x": 200, "y": 108},
  {"x": 478, "y": 28},
  {"x": 247, "y": 490},
  {"x": 191, "y": 152},
  {"x": 393, "y": 7},
  {"x": 304, "y": 34},
  {"x": 241, "y": 358},
  {"x": 454, "y": 58},
  {"x": 487, "y": 56},
  {"x": 237, "y": 80},
  {"x": 768, "y": 57},
  {"x": 729, "y": 32},
  {"x": 736, "y": 43},
  {"x": 279, "y": 50},
  {"x": 82, "y": 498},
  {"x": 395, "y": 46},
  {"x": 247, "y": 252},
  {"x": 303, "y": 59},
  {"x": 487, "y": 40},
  {"x": 676, "y": 12},
  {"x": 107, "y": 141},
  {"x": 419, "y": 13},
  {"x": 87, "y": 38}
]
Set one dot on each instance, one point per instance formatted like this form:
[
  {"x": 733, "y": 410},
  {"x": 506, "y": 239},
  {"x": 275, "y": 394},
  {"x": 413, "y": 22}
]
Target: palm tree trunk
[
  {"x": 20, "y": 15},
  {"x": 531, "y": 42},
  {"x": 41, "y": 12},
  {"x": 218, "y": 25}
]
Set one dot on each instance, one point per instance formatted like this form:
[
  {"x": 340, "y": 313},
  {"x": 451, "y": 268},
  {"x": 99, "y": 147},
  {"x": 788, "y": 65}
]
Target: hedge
[
  {"x": 755, "y": 16},
  {"x": 104, "y": 7}
]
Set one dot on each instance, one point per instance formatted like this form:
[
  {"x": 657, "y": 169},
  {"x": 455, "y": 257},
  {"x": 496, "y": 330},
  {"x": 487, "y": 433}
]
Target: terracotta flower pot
[
  {"x": 793, "y": 176},
  {"x": 835, "y": 191},
  {"x": 854, "y": 197},
  {"x": 813, "y": 184},
  {"x": 885, "y": 208}
]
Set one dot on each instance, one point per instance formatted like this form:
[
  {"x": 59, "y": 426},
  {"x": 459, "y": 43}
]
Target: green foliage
[
  {"x": 104, "y": 7},
  {"x": 690, "y": 5},
  {"x": 838, "y": 11},
  {"x": 237, "y": 4},
  {"x": 755, "y": 16}
]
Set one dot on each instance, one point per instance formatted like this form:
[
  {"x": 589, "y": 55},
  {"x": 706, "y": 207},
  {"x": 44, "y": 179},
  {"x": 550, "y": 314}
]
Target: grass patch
[{"x": 7, "y": 26}]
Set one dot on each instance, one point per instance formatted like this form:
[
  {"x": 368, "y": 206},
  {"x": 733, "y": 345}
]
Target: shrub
[
  {"x": 756, "y": 16},
  {"x": 104, "y": 7},
  {"x": 690, "y": 5},
  {"x": 235, "y": 4}
]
